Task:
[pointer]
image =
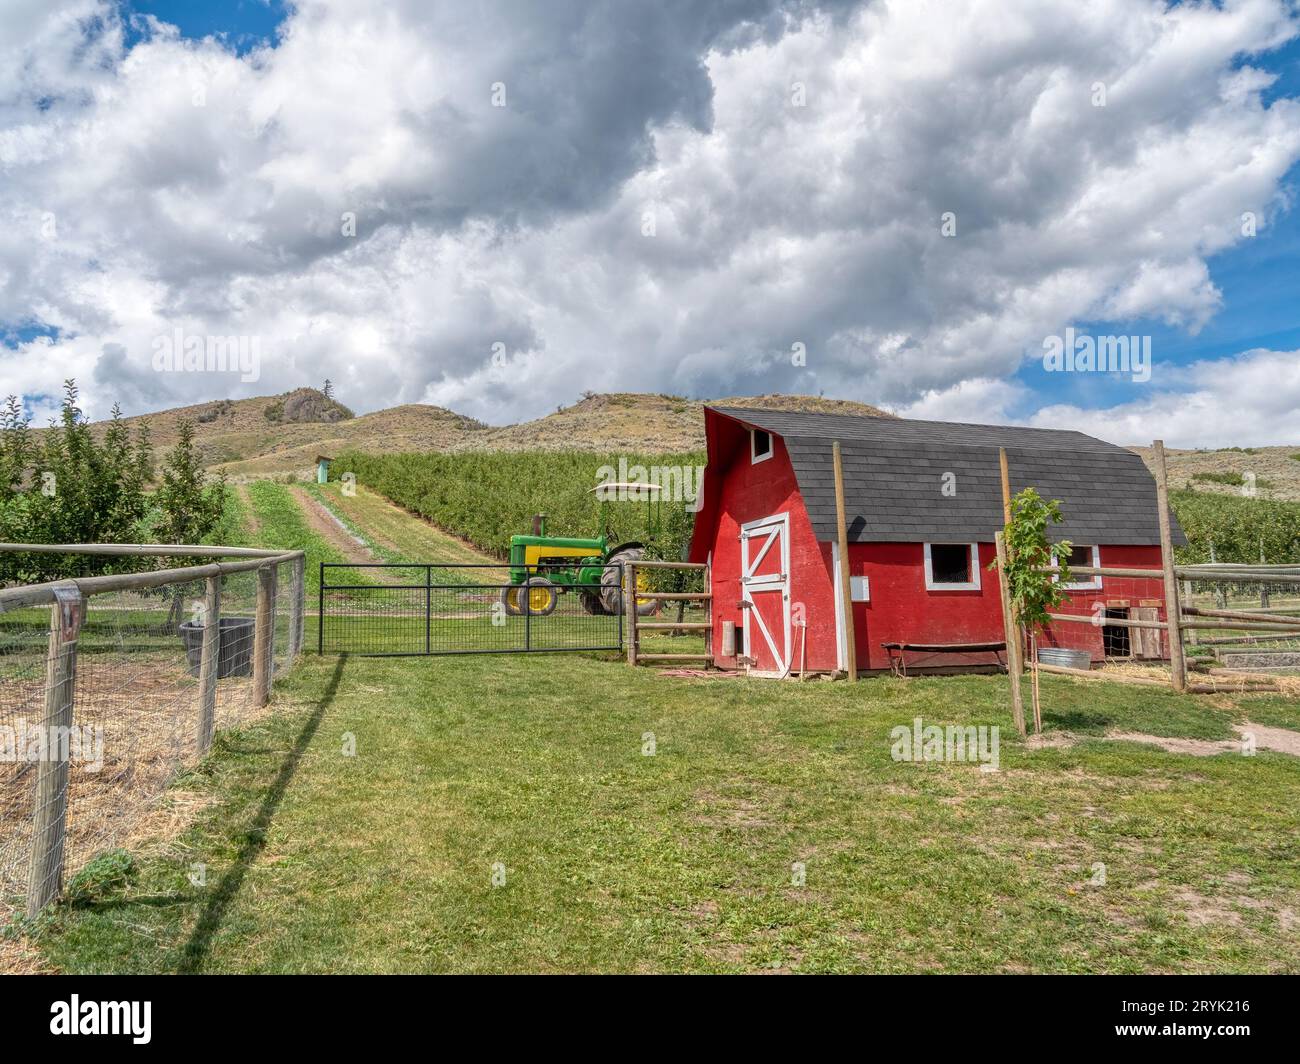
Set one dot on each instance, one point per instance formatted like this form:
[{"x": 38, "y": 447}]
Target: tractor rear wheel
[
  {"x": 611, "y": 594},
  {"x": 591, "y": 603},
  {"x": 538, "y": 596}
]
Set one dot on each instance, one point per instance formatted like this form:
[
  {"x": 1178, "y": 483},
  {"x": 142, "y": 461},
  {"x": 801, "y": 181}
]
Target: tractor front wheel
[
  {"x": 611, "y": 584},
  {"x": 538, "y": 596},
  {"x": 512, "y": 600}
]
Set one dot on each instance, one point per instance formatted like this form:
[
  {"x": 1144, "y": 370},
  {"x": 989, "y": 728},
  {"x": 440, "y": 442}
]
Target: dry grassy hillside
[
  {"x": 283, "y": 434},
  {"x": 632, "y": 421},
  {"x": 1277, "y": 471}
]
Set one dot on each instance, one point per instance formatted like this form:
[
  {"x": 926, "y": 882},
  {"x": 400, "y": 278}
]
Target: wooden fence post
[
  {"x": 264, "y": 636},
  {"x": 846, "y": 584},
  {"x": 1012, "y": 632},
  {"x": 629, "y": 604},
  {"x": 50, "y": 813},
  {"x": 296, "y": 609},
  {"x": 1173, "y": 611},
  {"x": 208, "y": 664}
]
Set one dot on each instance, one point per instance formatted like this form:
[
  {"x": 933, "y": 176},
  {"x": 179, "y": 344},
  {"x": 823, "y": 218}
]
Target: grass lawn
[{"x": 682, "y": 861}]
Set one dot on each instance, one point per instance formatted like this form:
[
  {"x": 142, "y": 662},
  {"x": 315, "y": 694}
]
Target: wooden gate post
[
  {"x": 208, "y": 664},
  {"x": 264, "y": 636},
  {"x": 1011, "y": 630},
  {"x": 296, "y": 609},
  {"x": 846, "y": 585},
  {"x": 50, "y": 814},
  {"x": 1173, "y": 610},
  {"x": 629, "y": 604}
]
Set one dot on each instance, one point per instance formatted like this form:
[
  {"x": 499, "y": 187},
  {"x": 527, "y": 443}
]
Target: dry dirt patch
[{"x": 1282, "y": 740}]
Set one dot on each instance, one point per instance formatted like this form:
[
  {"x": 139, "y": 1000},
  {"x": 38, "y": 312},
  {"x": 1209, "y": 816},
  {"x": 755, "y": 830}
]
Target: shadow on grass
[{"x": 195, "y": 952}]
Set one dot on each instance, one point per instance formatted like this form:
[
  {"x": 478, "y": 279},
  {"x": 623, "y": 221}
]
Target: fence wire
[
  {"x": 1261, "y": 602},
  {"x": 134, "y": 721},
  {"x": 400, "y": 609}
]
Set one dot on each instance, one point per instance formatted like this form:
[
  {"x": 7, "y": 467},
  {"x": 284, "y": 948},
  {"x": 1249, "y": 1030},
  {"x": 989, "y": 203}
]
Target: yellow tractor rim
[
  {"x": 539, "y": 598},
  {"x": 512, "y": 599}
]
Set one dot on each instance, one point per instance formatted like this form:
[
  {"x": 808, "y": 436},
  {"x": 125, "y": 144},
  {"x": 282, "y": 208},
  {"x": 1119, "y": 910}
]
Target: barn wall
[
  {"x": 902, "y": 610},
  {"x": 749, "y": 492}
]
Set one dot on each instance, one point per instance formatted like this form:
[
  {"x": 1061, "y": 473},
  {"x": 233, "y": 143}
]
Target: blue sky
[
  {"x": 660, "y": 214},
  {"x": 242, "y": 24}
]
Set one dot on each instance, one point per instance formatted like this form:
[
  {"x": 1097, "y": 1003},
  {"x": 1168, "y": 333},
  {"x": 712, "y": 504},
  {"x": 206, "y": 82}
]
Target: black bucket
[{"x": 234, "y": 650}]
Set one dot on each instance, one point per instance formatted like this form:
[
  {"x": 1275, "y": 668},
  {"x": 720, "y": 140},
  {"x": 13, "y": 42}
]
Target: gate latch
[{"x": 68, "y": 601}]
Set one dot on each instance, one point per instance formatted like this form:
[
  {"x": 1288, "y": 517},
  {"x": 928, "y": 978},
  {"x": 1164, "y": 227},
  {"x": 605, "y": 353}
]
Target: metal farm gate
[{"x": 397, "y": 609}]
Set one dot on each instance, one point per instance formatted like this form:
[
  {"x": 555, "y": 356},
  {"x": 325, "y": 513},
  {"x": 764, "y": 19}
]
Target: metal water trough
[{"x": 1069, "y": 659}]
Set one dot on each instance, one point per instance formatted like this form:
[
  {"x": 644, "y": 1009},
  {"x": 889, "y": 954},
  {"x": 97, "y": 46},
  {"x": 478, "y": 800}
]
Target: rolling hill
[
  {"x": 269, "y": 435},
  {"x": 273, "y": 435}
]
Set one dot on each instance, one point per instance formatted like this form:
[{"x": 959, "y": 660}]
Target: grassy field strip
[
  {"x": 399, "y": 536},
  {"x": 234, "y": 529},
  {"x": 645, "y": 823}
]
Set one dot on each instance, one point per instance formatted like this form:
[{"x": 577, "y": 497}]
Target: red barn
[{"x": 923, "y": 500}]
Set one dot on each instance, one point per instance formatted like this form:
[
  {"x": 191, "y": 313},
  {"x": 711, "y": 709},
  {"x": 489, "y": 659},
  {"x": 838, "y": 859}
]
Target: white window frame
[
  {"x": 1091, "y": 583},
  {"x": 972, "y": 585},
  {"x": 754, "y": 456}
]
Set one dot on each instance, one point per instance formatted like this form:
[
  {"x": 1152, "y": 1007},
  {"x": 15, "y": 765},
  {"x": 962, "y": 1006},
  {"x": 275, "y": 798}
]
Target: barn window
[
  {"x": 760, "y": 445},
  {"x": 1086, "y": 556},
  {"x": 952, "y": 567}
]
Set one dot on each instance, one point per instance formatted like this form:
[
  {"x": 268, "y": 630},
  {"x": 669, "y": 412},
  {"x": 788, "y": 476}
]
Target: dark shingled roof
[{"x": 894, "y": 467}]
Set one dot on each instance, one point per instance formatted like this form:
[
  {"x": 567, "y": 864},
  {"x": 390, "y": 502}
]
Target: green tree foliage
[
  {"x": 1237, "y": 526},
  {"x": 1035, "y": 593},
  {"x": 66, "y": 487},
  {"x": 69, "y": 488},
  {"x": 190, "y": 505}
]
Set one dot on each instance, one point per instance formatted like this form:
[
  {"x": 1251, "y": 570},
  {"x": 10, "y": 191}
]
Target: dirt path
[
  {"x": 320, "y": 521},
  {"x": 254, "y": 522}
]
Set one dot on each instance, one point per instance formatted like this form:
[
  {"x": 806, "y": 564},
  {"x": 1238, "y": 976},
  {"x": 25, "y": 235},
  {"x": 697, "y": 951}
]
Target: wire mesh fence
[
  {"x": 402, "y": 609},
  {"x": 1248, "y": 620},
  {"x": 108, "y": 693}
]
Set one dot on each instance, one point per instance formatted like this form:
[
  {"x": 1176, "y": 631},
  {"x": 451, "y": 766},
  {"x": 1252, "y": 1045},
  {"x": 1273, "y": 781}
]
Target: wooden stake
[
  {"x": 1012, "y": 635},
  {"x": 1177, "y": 664},
  {"x": 1006, "y": 486},
  {"x": 842, "y": 532},
  {"x": 1038, "y": 710}
]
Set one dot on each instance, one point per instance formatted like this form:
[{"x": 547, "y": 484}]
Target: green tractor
[{"x": 544, "y": 567}]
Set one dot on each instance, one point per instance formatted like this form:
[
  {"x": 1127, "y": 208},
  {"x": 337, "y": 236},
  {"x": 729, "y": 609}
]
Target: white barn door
[{"x": 765, "y": 586}]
